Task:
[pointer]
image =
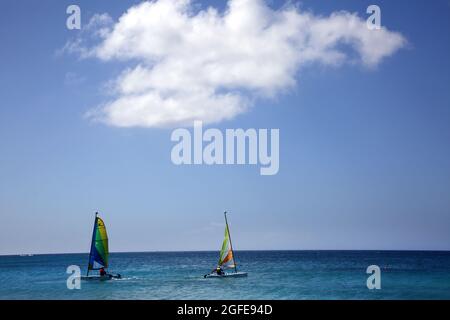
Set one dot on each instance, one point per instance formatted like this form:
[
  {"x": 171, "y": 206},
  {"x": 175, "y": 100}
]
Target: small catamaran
[
  {"x": 98, "y": 256},
  {"x": 226, "y": 258}
]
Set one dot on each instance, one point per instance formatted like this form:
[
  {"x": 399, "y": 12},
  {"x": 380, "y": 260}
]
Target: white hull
[
  {"x": 227, "y": 275},
  {"x": 101, "y": 278}
]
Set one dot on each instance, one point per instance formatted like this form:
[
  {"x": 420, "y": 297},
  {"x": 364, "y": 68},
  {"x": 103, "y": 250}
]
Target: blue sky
[{"x": 364, "y": 153}]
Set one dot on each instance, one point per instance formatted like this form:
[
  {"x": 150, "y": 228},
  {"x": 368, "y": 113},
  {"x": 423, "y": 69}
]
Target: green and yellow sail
[
  {"x": 226, "y": 254},
  {"x": 226, "y": 257},
  {"x": 98, "y": 257}
]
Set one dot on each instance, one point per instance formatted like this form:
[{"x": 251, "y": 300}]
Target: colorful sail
[
  {"x": 98, "y": 257},
  {"x": 226, "y": 259}
]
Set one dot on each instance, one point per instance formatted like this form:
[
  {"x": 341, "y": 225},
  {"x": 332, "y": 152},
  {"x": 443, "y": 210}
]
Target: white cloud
[
  {"x": 98, "y": 27},
  {"x": 208, "y": 65}
]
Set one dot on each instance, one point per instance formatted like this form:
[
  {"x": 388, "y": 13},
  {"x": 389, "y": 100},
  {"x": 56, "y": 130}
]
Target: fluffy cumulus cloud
[{"x": 187, "y": 64}]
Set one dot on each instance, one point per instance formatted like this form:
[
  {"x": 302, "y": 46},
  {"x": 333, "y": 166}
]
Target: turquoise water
[{"x": 272, "y": 275}]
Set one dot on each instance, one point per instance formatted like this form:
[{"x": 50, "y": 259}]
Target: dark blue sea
[{"x": 271, "y": 275}]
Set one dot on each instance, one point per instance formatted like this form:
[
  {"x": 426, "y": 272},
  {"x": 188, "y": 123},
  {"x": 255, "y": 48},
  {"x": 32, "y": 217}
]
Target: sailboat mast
[
  {"x": 93, "y": 235},
  {"x": 231, "y": 243}
]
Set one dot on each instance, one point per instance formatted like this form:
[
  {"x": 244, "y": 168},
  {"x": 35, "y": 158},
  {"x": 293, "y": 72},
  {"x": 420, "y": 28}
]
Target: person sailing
[
  {"x": 219, "y": 271},
  {"x": 102, "y": 272}
]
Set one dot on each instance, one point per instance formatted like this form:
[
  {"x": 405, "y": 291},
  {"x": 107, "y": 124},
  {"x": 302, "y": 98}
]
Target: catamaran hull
[
  {"x": 227, "y": 275},
  {"x": 101, "y": 278}
]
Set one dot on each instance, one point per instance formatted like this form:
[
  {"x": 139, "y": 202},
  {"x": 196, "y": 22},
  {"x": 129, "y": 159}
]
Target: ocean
[{"x": 271, "y": 275}]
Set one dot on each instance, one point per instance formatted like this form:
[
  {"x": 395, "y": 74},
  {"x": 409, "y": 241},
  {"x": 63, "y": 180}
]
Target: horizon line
[{"x": 186, "y": 251}]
